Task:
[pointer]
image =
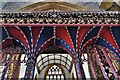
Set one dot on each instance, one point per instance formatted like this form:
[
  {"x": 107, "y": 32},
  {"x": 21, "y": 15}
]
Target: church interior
[{"x": 60, "y": 39}]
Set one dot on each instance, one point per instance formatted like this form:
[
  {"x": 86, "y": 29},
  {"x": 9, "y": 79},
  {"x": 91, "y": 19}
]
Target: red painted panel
[
  {"x": 106, "y": 34},
  {"x": 81, "y": 34},
  {"x": 6, "y": 43},
  {"x": 89, "y": 42},
  {"x": 35, "y": 34},
  {"x": 47, "y": 44},
  {"x": 16, "y": 33},
  {"x": 61, "y": 32}
]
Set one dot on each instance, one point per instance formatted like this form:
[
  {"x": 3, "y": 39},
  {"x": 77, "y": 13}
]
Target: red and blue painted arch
[{"x": 71, "y": 37}]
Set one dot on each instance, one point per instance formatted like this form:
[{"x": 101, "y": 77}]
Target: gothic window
[
  {"x": 55, "y": 73},
  {"x": 62, "y": 59}
]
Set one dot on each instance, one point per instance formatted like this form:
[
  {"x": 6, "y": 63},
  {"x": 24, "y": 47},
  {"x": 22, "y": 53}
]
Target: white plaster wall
[
  {"x": 41, "y": 75},
  {"x": 35, "y": 72},
  {"x": 22, "y": 70},
  {"x": 73, "y": 71}
]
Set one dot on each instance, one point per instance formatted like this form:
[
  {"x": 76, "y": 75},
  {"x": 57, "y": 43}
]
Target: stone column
[
  {"x": 29, "y": 74},
  {"x": 79, "y": 69}
]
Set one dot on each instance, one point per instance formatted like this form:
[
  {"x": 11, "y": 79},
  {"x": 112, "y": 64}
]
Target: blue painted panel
[
  {"x": 73, "y": 32},
  {"x": 92, "y": 34},
  {"x": 44, "y": 36},
  {"x": 16, "y": 43},
  {"x": 116, "y": 33},
  {"x": 101, "y": 42},
  {"x": 27, "y": 33},
  {"x": 62, "y": 43},
  {"x": 4, "y": 34}
]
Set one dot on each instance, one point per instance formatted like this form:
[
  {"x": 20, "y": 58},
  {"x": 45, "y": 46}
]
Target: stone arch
[{"x": 44, "y": 6}]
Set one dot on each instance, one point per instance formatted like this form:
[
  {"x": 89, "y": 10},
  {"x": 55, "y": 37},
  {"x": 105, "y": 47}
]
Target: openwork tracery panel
[{"x": 55, "y": 72}]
